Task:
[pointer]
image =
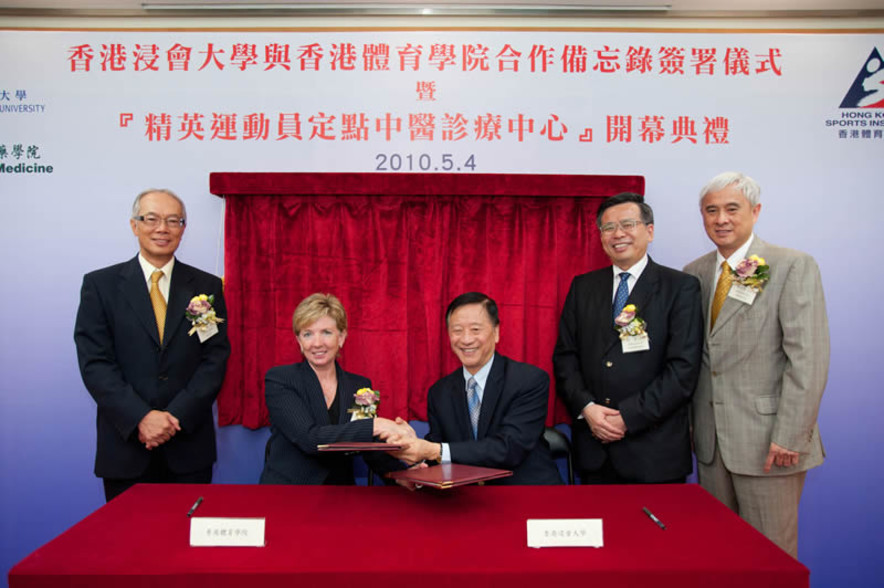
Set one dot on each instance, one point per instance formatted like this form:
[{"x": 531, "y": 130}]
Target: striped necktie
[{"x": 474, "y": 404}]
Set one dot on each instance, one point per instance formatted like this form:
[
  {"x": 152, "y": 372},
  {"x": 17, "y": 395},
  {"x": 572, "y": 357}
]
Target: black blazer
[
  {"x": 651, "y": 389},
  {"x": 511, "y": 422},
  {"x": 129, "y": 373},
  {"x": 299, "y": 422}
]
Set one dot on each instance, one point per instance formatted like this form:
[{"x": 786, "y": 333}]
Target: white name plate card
[
  {"x": 226, "y": 532},
  {"x": 207, "y": 332},
  {"x": 742, "y": 293},
  {"x": 565, "y": 533},
  {"x": 636, "y": 343}
]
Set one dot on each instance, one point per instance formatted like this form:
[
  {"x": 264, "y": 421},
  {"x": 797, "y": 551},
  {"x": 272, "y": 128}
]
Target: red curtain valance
[
  {"x": 396, "y": 249},
  {"x": 411, "y": 184}
]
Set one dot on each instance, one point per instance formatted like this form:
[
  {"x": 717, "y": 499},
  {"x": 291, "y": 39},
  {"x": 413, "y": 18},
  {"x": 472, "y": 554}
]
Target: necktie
[
  {"x": 474, "y": 404},
  {"x": 622, "y": 294},
  {"x": 158, "y": 302},
  {"x": 721, "y": 290}
]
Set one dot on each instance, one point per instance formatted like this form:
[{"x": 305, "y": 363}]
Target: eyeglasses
[
  {"x": 152, "y": 221},
  {"x": 626, "y": 225}
]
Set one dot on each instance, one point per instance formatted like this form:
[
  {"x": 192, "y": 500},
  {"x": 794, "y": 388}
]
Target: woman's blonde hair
[{"x": 316, "y": 306}]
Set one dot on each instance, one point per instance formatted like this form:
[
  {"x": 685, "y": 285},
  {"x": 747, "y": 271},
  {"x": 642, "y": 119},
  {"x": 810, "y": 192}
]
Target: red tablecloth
[{"x": 377, "y": 536}]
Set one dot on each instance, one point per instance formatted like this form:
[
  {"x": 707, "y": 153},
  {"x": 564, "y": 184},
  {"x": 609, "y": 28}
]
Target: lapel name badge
[
  {"x": 742, "y": 293},
  {"x": 633, "y": 330},
  {"x": 635, "y": 343}
]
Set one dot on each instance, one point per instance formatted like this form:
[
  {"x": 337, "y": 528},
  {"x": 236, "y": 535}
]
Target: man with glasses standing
[
  {"x": 628, "y": 356},
  {"x": 152, "y": 348},
  {"x": 765, "y": 364}
]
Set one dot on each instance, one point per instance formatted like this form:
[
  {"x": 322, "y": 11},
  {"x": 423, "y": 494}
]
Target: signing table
[{"x": 378, "y": 536}]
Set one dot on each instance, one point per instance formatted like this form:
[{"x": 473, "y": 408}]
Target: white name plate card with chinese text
[
  {"x": 207, "y": 332},
  {"x": 636, "y": 343},
  {"x": 565, "y": 533},
  {"x": 744, "y": 294},
  {"x": 226, "y": 532}
]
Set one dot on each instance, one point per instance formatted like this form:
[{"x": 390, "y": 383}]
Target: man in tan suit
[{"x": 765, "y": 363}]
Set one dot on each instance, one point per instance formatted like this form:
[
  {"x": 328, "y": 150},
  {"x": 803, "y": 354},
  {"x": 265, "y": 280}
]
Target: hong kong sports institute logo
[{"x": 867, "y": 90}]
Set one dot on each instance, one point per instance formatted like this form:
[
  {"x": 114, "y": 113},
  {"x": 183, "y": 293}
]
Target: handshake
[{"x": 399, "y": 432}]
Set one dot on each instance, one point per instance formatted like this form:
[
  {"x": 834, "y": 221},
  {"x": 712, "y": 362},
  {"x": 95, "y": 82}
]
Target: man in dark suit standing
[
  {"x": 491, "y": 411},
  {"x": 628, "y": 356},
  {"x": 153, "y": 376}
]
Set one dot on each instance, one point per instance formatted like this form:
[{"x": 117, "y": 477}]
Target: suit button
[
  {"x": 609, "y": 363},
  {"x": 608, "y": 401},
  {"x": 163, "y": 378}
]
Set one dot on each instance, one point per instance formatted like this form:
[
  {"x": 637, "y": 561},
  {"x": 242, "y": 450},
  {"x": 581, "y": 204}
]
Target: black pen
[
  {"x": 199, "y": 501},
  {"x": 657, "y": 521}
]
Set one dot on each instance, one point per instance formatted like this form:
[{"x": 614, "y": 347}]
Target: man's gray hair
[
  {"x": 136, "y": 206},
  {"x": 749, "y": 187}
]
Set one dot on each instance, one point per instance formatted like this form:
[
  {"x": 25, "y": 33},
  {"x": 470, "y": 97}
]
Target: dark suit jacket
[
  {"x": 129, "y": 373},
  {"x": 299, "y": 422},
  {"x": 651, "y": 389},
  {"x": 511, "y": 422}
]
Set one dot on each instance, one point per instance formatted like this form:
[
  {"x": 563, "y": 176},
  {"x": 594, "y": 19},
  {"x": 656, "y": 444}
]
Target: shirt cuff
[{"x": 580, "y": 416}]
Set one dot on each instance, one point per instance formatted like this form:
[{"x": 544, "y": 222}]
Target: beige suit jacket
[{"x": 764, "y": 366}]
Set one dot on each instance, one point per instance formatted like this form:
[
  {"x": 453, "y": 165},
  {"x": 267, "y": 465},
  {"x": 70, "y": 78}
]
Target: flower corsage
[
  {"x": 202, "y": 317},
  {"x": 752, "y": 273},
  {"x": 629, "y": 324},
  {"x": 633, "y": 330},
  {"x": 365, "y": 404}
]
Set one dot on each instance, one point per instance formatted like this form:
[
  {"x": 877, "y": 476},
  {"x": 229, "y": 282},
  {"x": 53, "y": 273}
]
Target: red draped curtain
[{"x": 396, "y": 249}]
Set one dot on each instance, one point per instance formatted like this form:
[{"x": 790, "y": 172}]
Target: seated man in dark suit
[
  {"x": 490, "y": 412},
  {"x": 152, "y": 354}
]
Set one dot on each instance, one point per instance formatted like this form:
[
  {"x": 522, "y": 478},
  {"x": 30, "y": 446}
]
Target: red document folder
[
  {"x": 449, "y": 475},
  {"x": 359, "y": 446}
]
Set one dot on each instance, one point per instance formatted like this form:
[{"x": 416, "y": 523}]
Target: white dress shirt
[
  {"x": 734, "y": 260},
  {"x": 164, "y": 282},
  {"x": 481, "y": 378},
  {"x": 634, "y": 272}
]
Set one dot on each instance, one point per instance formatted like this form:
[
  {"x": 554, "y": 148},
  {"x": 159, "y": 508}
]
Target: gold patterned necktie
[
  {"x": 157, "y": 301},
  {"x": 721, "y": 289}
]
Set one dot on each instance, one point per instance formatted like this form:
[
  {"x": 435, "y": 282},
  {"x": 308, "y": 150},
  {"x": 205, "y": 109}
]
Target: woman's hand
[{"x": 393, "y": 431}]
